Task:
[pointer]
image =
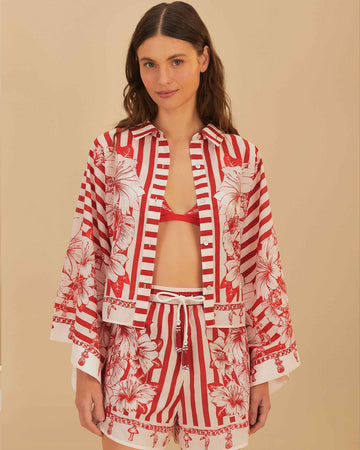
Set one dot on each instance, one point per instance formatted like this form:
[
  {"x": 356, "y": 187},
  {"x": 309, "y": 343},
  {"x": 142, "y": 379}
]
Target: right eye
[{"x": 147, "y": 63}]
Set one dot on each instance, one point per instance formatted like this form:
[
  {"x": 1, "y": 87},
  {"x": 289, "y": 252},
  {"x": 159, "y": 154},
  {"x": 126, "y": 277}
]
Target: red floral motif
[
  {"x": 124, "y": 230},
  {"x": 99, "y": 156},
  {"x": 111, "y": 211},
  {"x": 232, "y": 193},
  {"x": 230, "y": 399},
  {"x": 132, "y": 395},
  {"x": 147, "y": 353},
  {"x": 73, "y": 255},
  {"x": 229, "y": 357},
  {"x": 219, "y": 356},
  {"x": 127, "y": 187},
  {"x": 131, "y": 354},
  {"x": 82, "y": 289},
  {"x": 268, "y": 269},
  {"x": 116, "y": 266}
]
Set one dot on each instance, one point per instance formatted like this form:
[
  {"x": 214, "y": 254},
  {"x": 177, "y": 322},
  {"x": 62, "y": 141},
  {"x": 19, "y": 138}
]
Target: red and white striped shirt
[{"x": 108, "y": 270}]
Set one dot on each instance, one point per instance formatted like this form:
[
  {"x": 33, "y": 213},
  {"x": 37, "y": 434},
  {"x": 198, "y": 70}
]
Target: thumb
[
  {"x": 253, "y": 414},
  {"x": 98, "y": 405}
]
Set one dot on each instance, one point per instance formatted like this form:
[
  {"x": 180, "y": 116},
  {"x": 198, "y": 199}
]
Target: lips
[{"x": 166, "y": 92}]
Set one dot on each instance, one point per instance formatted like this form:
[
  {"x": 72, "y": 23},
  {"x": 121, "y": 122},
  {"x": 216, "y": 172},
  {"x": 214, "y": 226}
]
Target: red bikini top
[{"x": 191, "y": 216}]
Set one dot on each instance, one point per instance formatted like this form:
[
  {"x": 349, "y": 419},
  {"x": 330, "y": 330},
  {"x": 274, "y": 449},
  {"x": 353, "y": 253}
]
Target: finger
[
  {"x": 263, "y": 411},
  {"x": 98, "y": 405},
  {"x": 253, "y": 411},
  {"x": 96, "y": 422},
  {"x": 86, "y": 419},
  {"x": 259, "y": 424}
]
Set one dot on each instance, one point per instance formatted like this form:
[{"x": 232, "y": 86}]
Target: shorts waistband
[
  {"x": 175, "y": 292},
  {"x": 181, "y": 297}
]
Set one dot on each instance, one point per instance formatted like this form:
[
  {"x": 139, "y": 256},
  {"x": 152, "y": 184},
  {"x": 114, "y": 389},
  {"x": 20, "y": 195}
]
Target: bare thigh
[{"x": 109, "y": 444}]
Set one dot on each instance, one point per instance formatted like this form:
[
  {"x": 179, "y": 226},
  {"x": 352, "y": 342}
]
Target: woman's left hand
[{"x": 259, "y": 406}]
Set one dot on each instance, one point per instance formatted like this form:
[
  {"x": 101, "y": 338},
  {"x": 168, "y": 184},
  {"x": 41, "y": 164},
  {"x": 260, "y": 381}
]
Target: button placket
[
  {"x": 206, "y": 228},
  {"x": 151, "y": 227}
]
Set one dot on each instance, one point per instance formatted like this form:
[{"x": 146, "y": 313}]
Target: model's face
[{"x": 169, "y": 64}]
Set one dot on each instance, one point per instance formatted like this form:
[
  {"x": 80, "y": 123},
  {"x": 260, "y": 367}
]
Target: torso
[{"x": 178, "y": 257}]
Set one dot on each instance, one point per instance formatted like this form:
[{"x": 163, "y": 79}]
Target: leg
[{"x": 108, "y": 444}]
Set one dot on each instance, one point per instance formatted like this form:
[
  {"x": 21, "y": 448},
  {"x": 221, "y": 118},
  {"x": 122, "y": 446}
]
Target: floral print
[
  {"x": 102, "y": 304},
  {"x": 229, "y": 357}
]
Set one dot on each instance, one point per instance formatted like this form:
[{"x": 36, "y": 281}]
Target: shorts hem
[
  {"x": 127, "y": 443},
  {"x": 237, "y": 447}
]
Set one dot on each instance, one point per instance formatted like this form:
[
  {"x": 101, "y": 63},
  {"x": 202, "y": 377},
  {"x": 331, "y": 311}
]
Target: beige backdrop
[{"x": 292, "y": 74}]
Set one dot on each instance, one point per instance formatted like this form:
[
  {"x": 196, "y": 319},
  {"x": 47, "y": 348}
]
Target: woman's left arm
[{"x": 259, "y": 406}]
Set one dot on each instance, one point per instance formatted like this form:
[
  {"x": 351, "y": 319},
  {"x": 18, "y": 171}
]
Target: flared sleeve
[
  {"x": 271, "y": 340},
  {"x": 77, "y": 316}
]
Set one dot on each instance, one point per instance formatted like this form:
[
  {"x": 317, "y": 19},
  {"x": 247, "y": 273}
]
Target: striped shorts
[{"x": 173, "y": 378}]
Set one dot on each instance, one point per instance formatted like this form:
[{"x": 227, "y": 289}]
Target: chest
[{"x": 180, "y": 190}]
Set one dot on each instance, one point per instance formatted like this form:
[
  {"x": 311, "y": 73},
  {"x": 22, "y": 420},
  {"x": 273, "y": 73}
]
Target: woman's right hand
[{"x": 89, "y": 394}]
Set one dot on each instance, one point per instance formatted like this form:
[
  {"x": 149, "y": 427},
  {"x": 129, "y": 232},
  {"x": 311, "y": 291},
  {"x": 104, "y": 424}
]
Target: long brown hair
[{"x": 181, "y": 21}]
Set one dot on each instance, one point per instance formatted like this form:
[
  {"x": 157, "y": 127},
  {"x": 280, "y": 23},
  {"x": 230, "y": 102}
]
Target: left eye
[{"x": 178, "y": 60}]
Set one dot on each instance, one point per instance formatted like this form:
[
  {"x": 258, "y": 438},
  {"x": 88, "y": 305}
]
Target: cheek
[
  {"x": 189, "y": 78},
  {"x": 147, "y": 79}
]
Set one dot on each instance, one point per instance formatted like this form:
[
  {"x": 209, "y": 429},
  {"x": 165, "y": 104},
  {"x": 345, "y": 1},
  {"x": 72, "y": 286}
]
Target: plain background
[{"x": 292, "y": 75}]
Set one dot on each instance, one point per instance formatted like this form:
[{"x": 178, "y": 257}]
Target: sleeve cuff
[
  {"x": 274, "y": 371},
  {"x": 91, "y": 364},
  {"x": 60, "y": 332}
]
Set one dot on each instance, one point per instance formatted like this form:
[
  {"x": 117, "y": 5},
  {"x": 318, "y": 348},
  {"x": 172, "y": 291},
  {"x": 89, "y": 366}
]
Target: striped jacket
[{"x": 108, "y": 269}]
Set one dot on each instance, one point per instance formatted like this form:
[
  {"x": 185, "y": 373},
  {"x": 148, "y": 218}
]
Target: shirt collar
[{"x": 210, "y": 131}]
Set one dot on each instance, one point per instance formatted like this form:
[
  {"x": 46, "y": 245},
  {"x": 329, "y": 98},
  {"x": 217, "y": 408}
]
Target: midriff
[{"x": 178, "y": 257}]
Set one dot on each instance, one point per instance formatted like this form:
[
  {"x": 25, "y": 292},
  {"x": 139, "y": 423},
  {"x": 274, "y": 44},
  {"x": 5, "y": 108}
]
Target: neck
[{"x": 178, "y": 128}]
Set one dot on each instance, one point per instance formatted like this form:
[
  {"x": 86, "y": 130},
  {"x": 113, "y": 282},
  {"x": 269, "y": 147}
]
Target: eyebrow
[{"x": 170, "y": 57}]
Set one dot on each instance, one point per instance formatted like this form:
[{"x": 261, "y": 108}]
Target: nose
[{"x": 163, "y": 75}]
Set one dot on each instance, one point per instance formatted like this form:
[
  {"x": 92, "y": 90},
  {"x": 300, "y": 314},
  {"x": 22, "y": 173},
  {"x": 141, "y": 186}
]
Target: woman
[{"x": 172, "y": 292}]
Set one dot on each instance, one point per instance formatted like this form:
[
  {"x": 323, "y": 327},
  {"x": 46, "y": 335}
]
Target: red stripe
[
  {"x": 206, "y": 258},
  {"x": 158, "y": 319},
  {"x": 167, "y": 356},
  {"x": 152, "y": 221},
  {"x": 153, "y": 208},
  {"x": 86, "y": 339},
  {"x": 159, "y": 186},
  {"x": 183, "y": 405},
  {"x": 138, "y": 323},
  {"x": 194, "y": 385},
  {"x": 140, "y": 158},
  {"x": 201, "y": 185},
  {"x": 174, "y": 404},
  {"x": 147, "y": 272},
  {"x": 215, "y": 335},
  {"x": 108, "y": 139},
  {"x": 89, "y": 189},
  {"x": 236, "y": 148},
  {"x": 247, "y": 151},
  {"x": 82, "y": 322},
  {"x": 150, "y": 233},
  {"x": 203, "y": 368},
  {"x": 95, "y": 240},
  {"x": 149, "y": 259},
  {"x": 140, "y": 311}
]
